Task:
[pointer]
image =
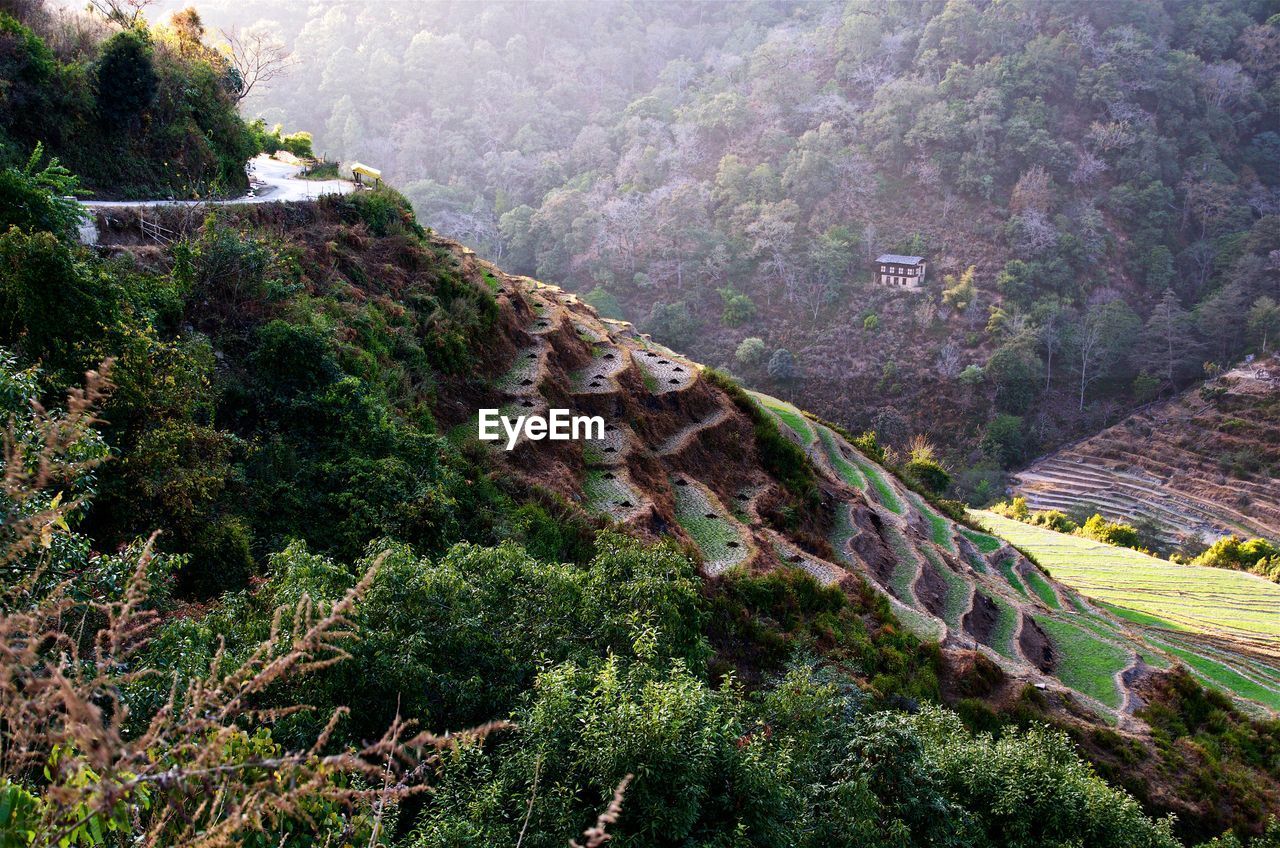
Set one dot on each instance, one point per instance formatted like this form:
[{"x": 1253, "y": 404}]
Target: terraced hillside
[
  {"x": 1203, "y": 463},
  {"x": 1223, "y": 625},
  {"x": 681, "y": 456}
]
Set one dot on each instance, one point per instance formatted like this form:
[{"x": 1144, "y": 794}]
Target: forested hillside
[{"x": 723, "y": 173}]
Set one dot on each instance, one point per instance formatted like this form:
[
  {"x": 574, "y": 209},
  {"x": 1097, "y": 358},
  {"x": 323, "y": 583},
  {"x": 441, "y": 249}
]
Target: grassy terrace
[
  {"x": 884, "y": 492},
  {"x": 790, "y": 416},
  {"x": 939, "y": 527},
  {"x": 1043, "y": 590},
  {"x": 905, "y": 569},
  {"x": 608, "y": 492},
  {"x": 716, "y": 533},
  {"x": 1006, "y": 568},
  {"x": 1187, "y": 596},
  {"x": 983, "y": 542},
  {"x": 1005, "y": 634},
  {"x": 1224, "y": 676},
  {"x": 843, "y": 531},
  {"x": 1089, "y": 663},
  {"x": 846, "y": 469},
  {"x": 958, "y": 589}
]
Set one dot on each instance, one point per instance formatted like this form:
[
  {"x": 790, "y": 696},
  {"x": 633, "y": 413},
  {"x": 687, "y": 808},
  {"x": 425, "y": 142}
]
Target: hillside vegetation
[
  {"x": 134, "y": 110},
  {"x": 262, "y": 584},
  {"x": 725, "y": 172},
  {"x": 288, "y": 385}
]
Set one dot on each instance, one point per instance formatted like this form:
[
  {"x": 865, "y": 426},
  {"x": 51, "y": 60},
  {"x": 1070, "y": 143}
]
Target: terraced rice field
[
  {"x": 981, "y": 541},
  {"x": 599, "y": 377},
  {"x": 663, "y": 373},
  {"x": 1207, "y": 600},
  {"x": 1042, "y": 589},
  {"x": 818, "y": 569},
  {"x": 790, "y": 416},
  {"x": 1006, "y": 568},
  {"x": 939, "y": 527},
  {"x": 843, "y": 531},
  {"x": 958, "y": 589},
  {"x": 522, "y": 376},
  {"x": 1005, "y": 634},
  {"x": 608, "y": 491},
  {"x": 610, "y": 450},
  {"x": 905, "y": 569},
  {"x": 883, "y": 491},
  {"x": 720, "y": 538},
  {"x": 1089, "y": 663},
  {"x": 848, "y": 472},
  {"x": 1224, "y": 676}
]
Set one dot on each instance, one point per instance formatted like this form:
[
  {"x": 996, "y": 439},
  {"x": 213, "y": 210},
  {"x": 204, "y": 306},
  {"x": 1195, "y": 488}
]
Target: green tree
[
  {"x": 1264, "y": 322},
  {"x": 126, "y": 80},
  {"x": 738, "y": 308},
  {"x": 782, "y": 366},
  {"x": 40, "y": 200},
  {"x": 750, "y": 351}
]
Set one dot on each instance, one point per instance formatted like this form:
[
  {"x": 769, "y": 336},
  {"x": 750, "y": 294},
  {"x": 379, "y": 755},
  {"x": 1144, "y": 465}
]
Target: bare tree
[
  {"x": 126, "y": 13},
  {"x": 258, "y": 56}
]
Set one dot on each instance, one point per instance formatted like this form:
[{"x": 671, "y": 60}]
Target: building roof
[{"x": 899, "y": 259}]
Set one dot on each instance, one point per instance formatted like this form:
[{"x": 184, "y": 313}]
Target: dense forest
[
  {"x": 722, "y": 174},
  {"x": 227, "y": 494}
]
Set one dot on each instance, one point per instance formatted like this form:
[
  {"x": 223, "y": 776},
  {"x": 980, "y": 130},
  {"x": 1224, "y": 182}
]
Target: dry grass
[{"x": 71, "y": 752}]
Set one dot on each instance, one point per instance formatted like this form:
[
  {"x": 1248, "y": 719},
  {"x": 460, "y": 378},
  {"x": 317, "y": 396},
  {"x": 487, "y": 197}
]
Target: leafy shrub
[
  {"x": 40, "y": 200},
  {"x": 780, "y": 456},
  {"x": 750, "y": 351},
  {"x": 1110, "y": 532},
  {"x": 604, "y": 302},
  {"x": 383, "y": 210},
  {"x": 869, "y": 446},
  {"x": 738, "y": 307},
  {"x": 924, "y": 467},
  {"x": 220, "y": 559}
]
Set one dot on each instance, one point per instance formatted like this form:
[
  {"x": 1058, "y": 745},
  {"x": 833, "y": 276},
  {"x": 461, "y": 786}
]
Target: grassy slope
[{"x": 1204, "y": 599}]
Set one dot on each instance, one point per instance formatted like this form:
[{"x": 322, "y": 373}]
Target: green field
[
  {"x": 842, "y": 532},
  {"x": 1224, "y": 676},
  {"x": 958, "y": 589},
  {"x": 790, "y": 416},
  {"x": 1187, "y": 596},
  {"x": 1043, "y": 590},
  {"x": 884, "y": 492},
  {"x": 1006, "y": 631},
  {"x": 983, "y": 542},
  {"x": 1006, "y": 568},
  {"x": 905, "y": 569},
  {"x": 1089, "y": 663},
  {"x": 846, "y": 469},
  {"x": 717, "y": 534},
  {"x": 939, "y": 527}
]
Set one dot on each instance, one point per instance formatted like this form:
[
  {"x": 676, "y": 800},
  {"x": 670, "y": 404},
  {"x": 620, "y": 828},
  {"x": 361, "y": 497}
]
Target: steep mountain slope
[
  {"x": 1203, "y": 464},
  {"x": 340, "y": 341},
  {"x": 679, "y": 458}
]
